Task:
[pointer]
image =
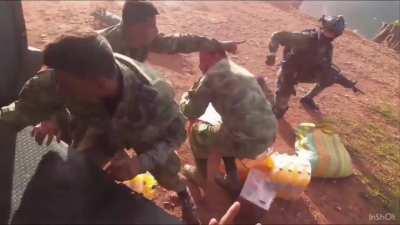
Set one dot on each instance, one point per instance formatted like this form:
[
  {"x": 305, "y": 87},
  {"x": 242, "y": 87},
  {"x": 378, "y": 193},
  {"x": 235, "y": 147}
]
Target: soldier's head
[
  {"x": 332, "y": 27},
  {"x": 84, "y": 65},
  {"x": 139, "y": 23},
  {"x": 209, "y": 58}
]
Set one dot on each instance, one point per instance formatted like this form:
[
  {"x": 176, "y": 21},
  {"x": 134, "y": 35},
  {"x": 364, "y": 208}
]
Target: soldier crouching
[{"x": 248, "y": 125}]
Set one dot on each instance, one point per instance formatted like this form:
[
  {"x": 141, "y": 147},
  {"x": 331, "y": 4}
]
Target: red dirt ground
[{"x": 326, "y": 201}]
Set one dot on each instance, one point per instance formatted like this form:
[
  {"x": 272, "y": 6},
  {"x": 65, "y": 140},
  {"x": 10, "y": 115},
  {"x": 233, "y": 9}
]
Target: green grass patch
[
  {"x": 378, "y": 150},
  {"x": 369, "y": 140},
  {"x": 390, "y": 114},
  {"x": 391, "y": 201}
]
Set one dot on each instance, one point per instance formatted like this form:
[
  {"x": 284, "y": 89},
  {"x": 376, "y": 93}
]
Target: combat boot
[
  {"x": 231, "y": 183},
  {"x": 309, "y": 102},
  {"x": 279, "y": 113},
  {"x": 189, "y": 210}
]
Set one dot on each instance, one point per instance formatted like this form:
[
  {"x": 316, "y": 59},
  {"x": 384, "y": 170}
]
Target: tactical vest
[{"x": 309, "y": 57}]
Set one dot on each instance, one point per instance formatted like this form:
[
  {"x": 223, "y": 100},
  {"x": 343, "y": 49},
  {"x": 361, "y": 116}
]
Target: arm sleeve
[
  {"x": 183, "y": 43},
  {"x": 194, "y": 102},
  {"x": 36, "y": 102},
  {"x": 160, "y": 152},
  {"x": 287, "y": 39}
]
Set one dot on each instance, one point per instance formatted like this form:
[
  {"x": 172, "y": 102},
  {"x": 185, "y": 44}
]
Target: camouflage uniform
[
  {"x": 146, "y": 119},
  {"x": 307, "y": 58},
  {"x": 172, "y": 44},
  {"x": 248, "y": 124}
]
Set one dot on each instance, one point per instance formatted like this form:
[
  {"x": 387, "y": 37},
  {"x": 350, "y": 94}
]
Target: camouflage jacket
[
  {"x": 146, "y": 119},
  {"x": 237, "y": 97},
  {"x": 167, "y": 44},
  {"x": 305, "y": 50}
]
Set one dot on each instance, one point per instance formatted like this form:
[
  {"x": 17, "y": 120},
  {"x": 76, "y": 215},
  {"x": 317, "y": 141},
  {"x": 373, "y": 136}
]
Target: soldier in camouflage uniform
[
  {"x": 307, "y": 57},
  {"x": 137, "y": 35},
  {"x": 248, "y": 124},
  {"x": 115, "y": 103}
]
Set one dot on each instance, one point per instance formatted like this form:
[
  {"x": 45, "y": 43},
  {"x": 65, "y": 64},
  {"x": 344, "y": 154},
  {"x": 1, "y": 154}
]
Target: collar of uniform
[{"x": 221, "y": 65}]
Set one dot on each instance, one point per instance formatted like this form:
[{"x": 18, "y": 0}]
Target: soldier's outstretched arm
[
  {"x": 284, "y": 38},
  {"x": 36, "y": 102},
  {"x": 194, "y": 102},
  {"x": 188, "y": 43},
  {"x": 287, "y": 39}
]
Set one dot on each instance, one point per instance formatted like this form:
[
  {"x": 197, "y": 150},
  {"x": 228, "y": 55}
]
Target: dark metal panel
[
  {"x": 53, "y": 187},
  {"x": 13, "y": 45}
]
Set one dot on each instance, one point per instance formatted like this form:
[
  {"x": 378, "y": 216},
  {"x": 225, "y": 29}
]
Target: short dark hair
[
  {"x": 137, "y": 11},
  {"x": 87, "y": 55}
]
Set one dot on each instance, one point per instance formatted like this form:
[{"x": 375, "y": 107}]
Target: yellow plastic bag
[
  {"x": 144, "y": 184},
  {"x": 290, "y": 175}
]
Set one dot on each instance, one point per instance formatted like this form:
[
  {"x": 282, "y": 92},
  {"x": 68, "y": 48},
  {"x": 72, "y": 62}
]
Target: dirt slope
[{"x": 368, "y": 123}]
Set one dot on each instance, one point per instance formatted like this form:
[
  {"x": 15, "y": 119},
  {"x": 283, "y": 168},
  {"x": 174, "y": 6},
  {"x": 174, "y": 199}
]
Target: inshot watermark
[{"x": 382, "y": 217}]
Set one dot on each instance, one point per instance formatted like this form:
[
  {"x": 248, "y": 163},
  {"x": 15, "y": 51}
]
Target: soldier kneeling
[
  {"x": 248, "y": 125},
  {"x": 115, "y": 103}
]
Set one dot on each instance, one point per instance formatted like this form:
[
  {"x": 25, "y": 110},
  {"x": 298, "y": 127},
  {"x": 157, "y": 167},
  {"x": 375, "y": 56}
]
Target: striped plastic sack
[{"x": 325, "y": 150}]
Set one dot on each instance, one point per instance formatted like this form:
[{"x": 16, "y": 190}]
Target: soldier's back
[{"x": 240, "y": 100}]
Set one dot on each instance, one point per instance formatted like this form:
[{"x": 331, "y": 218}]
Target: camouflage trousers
[
  {"x": 288, "y": 78},
  {"x": 205, "y": 138}
]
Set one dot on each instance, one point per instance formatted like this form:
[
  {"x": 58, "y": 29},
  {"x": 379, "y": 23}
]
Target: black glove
[{"x": 270, "y": 60}]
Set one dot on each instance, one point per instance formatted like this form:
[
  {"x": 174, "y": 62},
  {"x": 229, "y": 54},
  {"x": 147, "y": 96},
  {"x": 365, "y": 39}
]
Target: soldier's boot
[
  {"x": 197, "y": 174},
  {"x": 308, "y": 99},
  {"x": 279, "y": 112},
  {"x": 230, "y": 181},
  {"x": 189, "y": 210},
  {"x": 282, "y": 97}
]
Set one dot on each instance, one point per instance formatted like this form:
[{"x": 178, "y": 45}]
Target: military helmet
[{"x": 333, "y": 24}]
